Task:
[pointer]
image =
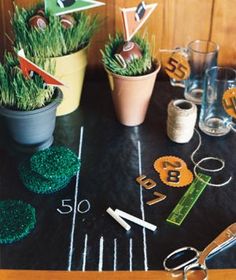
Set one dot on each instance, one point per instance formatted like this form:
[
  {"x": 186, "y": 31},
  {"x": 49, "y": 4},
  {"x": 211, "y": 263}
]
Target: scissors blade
[{"x": 226, "y": 237}]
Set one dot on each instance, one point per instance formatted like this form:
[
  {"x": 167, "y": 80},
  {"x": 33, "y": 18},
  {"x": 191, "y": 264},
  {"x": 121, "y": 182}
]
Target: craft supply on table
[
  {"x": 135, "y": 220},
  {"x": 149, "y": 184},
  {"x": 198, "y": 165},
  {"x": 37, "y": 183},
  {"x": 177, "y": 66},
  {"x": 146, "y": 183},
  {"x": 182, "y": 116},
  {"x": 49, "y": 170},
  {"x": 173, "y": 171},
  {"x": 190, "y": 197},
  {"x": 115, "y": 216},
  {"x": 55, "y": 163},
  {"x": 17, "y": 220},
  {"x": 229, "y": 102},
  {"x": 190, "y": 259},
  {"x": 159, "y": 197}
]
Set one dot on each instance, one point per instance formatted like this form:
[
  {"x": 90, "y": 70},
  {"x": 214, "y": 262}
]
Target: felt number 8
[
  {"x": 174, "y": 66},
  {"x": 173, "y": 176}
]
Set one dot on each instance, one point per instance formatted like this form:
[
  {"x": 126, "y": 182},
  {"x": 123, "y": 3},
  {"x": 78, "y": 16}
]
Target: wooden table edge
[{"x": 214, "y": 274}]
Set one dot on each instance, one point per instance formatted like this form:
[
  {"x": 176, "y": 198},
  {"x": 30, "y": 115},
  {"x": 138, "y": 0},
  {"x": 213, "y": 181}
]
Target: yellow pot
[{"x": 70, "y": 69}]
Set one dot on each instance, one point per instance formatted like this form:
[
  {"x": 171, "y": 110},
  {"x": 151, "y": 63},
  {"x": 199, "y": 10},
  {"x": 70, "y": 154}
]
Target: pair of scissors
[{"x": 189, "y": 258}]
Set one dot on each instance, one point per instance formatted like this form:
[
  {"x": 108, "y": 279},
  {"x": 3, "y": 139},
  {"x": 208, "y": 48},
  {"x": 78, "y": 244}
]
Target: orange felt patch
[
  {"x": 173, "y": 171},
  {"x": 229, "y": 102}
]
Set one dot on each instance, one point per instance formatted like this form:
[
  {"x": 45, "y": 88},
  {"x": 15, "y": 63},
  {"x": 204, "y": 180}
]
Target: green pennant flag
[{"x": 61, "y": 7}]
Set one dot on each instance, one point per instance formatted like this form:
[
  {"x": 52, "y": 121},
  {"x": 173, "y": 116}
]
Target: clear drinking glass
[
  {"x": 201, "y": 55},
  {"x": 214, "y": 120}
]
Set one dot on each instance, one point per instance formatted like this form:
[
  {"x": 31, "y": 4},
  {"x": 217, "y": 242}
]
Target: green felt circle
[
  {"x": 38, "y": 184},
  {"x": 55, "y": 163},
  {"x": 17, "y": 220}
]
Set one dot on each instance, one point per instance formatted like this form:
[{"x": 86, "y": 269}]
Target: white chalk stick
[
  {"x": 135, "y": 220},
  {"x": 118, "y": 219}
]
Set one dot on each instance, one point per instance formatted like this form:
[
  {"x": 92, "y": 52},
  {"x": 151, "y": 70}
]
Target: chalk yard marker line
[
  {"x": 119, "y": 220},
  {"x": 136, "y": 220},
  {"x": 130, "y": 254},
  {"x": 85, "y": 252},
  {"x": 142, "y": 208},
  {"x": 115, "y": 255},
  {"x": 101, "y": 250},
  {"x": 75, "y": 202}
]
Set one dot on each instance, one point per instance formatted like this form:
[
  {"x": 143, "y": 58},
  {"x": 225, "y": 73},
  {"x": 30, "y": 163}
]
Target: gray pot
[{"x": 32, "y": 130}]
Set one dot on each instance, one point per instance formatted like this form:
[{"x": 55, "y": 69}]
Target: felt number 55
[{"x": 174, "y": 66}]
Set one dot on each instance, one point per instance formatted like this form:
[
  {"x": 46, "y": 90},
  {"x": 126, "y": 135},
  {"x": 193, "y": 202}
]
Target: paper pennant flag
[
  {"x": 135, "y": 17},
  {"x": 27, "y": 66},
  {"x": 61, "y": 7}
]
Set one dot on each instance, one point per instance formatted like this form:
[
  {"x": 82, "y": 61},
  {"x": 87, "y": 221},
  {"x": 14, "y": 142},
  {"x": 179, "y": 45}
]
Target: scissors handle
[{"x": 224, "y": 237}]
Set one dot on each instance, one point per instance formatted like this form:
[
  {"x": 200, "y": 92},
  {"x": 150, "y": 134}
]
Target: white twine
[
  {"x": 182, "y": 116},
  {"x": 197, "y": 164}
]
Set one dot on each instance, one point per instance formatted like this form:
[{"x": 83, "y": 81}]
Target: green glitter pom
[
  {"x": 55, "y": 163},
  {"x": 17, "y": 220},
  {"x": 38, "y": 184}
]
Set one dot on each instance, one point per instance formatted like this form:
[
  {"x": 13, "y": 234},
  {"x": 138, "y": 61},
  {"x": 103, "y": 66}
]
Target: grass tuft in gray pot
[{"x": 27, "y": 106}]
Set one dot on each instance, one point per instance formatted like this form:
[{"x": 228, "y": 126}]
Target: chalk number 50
[{"x": 67, "y": 207}]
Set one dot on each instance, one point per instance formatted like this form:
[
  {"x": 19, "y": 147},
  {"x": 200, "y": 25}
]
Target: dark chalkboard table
[{"x": 73, "y": 230}]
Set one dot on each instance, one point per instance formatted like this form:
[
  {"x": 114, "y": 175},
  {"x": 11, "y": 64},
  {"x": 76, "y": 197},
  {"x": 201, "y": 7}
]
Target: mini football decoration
[
  {"x": 65, "y": 3},
  {"x": 127, "y": 53},
  {"x": 67, "y": 21},
  {"x": 38, "y": 21},
  {"x": 40, "y": 12}
]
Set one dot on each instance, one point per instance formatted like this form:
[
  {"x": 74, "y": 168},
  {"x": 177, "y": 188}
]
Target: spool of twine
[{"x": 182, "y": 116}]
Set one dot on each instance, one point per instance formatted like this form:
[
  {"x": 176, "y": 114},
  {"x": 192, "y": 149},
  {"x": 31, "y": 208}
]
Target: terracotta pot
[
  {"x": 131, "y": 96},
  {"x": 70, "y": 69}
]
